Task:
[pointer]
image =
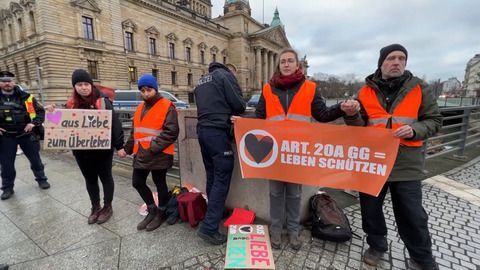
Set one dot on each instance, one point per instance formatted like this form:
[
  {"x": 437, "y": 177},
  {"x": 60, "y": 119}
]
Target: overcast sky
[{"x": 344, "y": 36}]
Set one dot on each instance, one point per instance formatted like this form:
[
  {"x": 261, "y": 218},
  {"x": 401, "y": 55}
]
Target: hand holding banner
[{"x": 343, "y": 157}]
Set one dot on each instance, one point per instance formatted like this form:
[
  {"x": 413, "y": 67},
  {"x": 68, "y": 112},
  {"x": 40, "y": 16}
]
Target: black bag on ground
[{"x": 328, "y": 220}]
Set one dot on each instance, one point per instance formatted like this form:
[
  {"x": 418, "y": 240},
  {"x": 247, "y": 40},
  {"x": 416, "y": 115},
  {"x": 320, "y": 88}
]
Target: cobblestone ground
[
  {"x": 469, "y": 175},
  {"x": 454, "y": 225}
]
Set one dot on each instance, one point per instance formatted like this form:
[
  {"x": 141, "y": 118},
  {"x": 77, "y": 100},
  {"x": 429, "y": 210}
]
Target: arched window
[{"x": 33, "y": 26}]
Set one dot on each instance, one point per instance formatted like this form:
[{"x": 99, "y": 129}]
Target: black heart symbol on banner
[
  {"x": 90, "y": 118},
  {"x": 246, "y": 229},
  {"x": 259, "y": 149}
]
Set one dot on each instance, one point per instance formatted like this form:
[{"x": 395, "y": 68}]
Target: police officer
[
  {"x": 21, "y": 118},
  {"x": 218, "y": 97}
]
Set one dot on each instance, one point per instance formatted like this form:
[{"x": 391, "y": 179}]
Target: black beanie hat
[
  {"x": 385, "y": 51},
  {"x": 81, "y": 75}
]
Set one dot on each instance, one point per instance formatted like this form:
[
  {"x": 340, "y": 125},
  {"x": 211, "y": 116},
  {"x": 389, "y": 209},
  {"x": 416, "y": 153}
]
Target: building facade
[
  {"x": 472, "y": 77},
  {"x": 43, "y": 41}
]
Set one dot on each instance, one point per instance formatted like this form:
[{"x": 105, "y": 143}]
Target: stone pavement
[{"x": 47, "y": 229}]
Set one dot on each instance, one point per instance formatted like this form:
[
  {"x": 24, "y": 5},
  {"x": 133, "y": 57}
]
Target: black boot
[
  {"x": 157, "y": 221},
  {"x": 152, "y": 212}
]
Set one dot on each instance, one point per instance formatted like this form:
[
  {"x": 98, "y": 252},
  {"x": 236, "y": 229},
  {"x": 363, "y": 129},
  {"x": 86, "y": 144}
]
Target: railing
[{"x": 461, "y": 128}]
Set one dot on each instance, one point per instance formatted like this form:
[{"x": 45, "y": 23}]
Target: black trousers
[
  {"x": 139, "y": 182},
  {"x": 8, "y": 152},
  {"x": 96, "y": 164},
  {"x": 217, "y": 155},
  {"x": 410, "y": 216}
]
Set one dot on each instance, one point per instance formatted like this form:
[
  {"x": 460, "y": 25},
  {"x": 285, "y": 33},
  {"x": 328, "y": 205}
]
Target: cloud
[{"x": 345, "y": 36}]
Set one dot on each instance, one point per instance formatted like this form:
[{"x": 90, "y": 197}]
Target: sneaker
[
  {"x": 94, "y": 214},
  {"x": 276, "y": 240},
  {"x": 44, "y": 184},
  {"x": 412, "y": 264},
  {"x": 7, "y": 194},
  {"x": 295, "y": 242},
  {"x": 105, "y": 214},
  {"x": 215, "y": 239},
  {"x": 372, "y": 256}
]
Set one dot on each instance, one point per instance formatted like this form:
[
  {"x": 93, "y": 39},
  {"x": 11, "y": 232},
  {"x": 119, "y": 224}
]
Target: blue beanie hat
[{"x": 147, "y": 80}]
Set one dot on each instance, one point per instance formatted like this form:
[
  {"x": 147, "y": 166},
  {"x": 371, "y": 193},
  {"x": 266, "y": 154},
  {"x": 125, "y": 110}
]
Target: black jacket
[
  {"x": 319, "y": 109},
  {"x": 15, "y": 103},
  {"x": 218, "y": 96}
]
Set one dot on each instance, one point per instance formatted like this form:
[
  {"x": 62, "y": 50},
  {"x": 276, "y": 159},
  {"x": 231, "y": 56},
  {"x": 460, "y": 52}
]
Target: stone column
[
  {"x": 258, "y": 68},
  {"x": 272, "y": 63},
  {"x": 265, "y": 66}
]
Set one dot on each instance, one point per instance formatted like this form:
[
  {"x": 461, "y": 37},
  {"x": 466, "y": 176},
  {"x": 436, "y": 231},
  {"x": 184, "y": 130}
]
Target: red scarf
[{"x": 286, "y": 82}]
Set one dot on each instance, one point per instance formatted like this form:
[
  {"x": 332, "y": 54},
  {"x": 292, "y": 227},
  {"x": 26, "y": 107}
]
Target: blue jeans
[
  {"x": 411, "y": 218},
  {"x": 217, "y": 154},
  {"x": 8, "y": 152}
]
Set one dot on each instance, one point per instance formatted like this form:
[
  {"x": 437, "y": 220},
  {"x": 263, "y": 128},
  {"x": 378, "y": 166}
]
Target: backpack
[
  {"x": 328, "y": 220},
  {"x": 191, "y": 207}
]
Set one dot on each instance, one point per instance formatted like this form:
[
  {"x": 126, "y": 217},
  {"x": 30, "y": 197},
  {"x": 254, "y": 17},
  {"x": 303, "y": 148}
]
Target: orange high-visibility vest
[
  {"x": 300, "y": 108},
  {"x": 405, "y": 113},
  {"x": 150, "y": 126}
]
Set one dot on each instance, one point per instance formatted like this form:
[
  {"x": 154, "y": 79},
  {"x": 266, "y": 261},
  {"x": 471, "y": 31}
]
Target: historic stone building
[
  {"x": 43, "y": 41},
  {"x": 472, "y": 77}
]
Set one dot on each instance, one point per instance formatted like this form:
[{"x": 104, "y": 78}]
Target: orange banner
[{"x": 343, "y": 157}]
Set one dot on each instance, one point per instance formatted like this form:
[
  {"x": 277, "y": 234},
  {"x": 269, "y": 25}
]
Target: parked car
[
  {"x": 129, "y": 99},
  {"x": 253, "y": 101}
]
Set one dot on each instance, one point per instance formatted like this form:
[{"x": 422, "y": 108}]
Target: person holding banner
[
  {"x": 289, "y": 96},
  {"x": 155, "y": 130},
  {"x": 96, "y": 163},
  {"x": 218, "y": 96},
  {"x": 21, "y": 118},
  {"x": 395, "y": 99}
]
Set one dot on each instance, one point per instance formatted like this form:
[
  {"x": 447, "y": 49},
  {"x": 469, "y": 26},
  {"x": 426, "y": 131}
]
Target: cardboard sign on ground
[
  {"x": 78, "y": 129},
  {"x": 248, "y": 247}
]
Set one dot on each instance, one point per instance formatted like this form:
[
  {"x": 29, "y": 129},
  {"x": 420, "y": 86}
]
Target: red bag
[{"x": 191, "y": 207}]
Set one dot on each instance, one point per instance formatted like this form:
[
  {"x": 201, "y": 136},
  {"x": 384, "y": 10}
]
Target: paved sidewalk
[{"x": 47, "y": 229}]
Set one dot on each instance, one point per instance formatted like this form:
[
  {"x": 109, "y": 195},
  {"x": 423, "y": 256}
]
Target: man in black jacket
[
  {"x": 21, "y": 118},
  {"x": 218, "y": 97}
]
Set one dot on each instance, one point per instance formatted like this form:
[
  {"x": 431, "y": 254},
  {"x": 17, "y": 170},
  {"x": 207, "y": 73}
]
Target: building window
[
  {"x": 174, "y": 78},
  {"x": 27, "y": 72},
  {"x": 190, "y": 79},
  {"x": 33, "y": 26},
  {"x": 2, "y": 36},
  {"x": 132, "y": 74},
  {"x": 15, "y": 68},
  {"x": 155, "y": 73},
  {"x": 152, "y": 46},
  {"x": 129, "y": 41},
  {"x": 93, "y": 69},
  {"x": 224, "y": 60},
  {"x": 12, "y": 35},
  {"x": 171, "y": 50},
  {"x": 188, "y": 54},
  {"x": 202, "y": 57},
  {"x": 87, "y": 23},
  {"x": 214, "y": 57},
  {"x": 20, "y": 28}
]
